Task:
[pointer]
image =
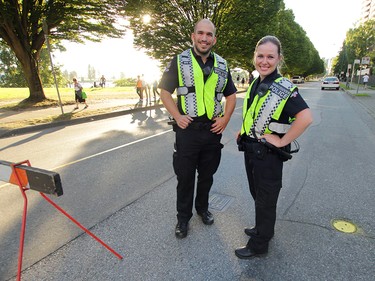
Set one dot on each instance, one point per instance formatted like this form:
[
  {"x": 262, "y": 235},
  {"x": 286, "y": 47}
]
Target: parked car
[
  {"x": 298, "y": 79},
  {"x": 331, "y": 83}
]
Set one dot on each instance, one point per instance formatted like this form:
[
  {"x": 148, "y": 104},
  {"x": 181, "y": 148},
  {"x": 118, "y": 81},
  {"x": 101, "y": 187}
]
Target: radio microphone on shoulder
[{"x": 262, "y": 90}]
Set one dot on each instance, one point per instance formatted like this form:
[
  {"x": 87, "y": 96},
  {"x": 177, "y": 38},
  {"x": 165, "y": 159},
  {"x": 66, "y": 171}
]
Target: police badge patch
[{"x": 279, "y": 90}]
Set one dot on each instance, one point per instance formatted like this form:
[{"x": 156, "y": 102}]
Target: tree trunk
[{"x": 30, "y": 69}]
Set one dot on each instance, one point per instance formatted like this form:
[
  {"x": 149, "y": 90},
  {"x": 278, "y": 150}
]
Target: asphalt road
[{"x": 118, "y": 180}]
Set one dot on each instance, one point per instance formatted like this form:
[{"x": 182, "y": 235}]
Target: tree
[
  {"x": 301, "y": 57},
  {"x": 91, "y": 73},
  {"x": 359, "y": 43},
  {"x": 238, "y": 26},
  {"x": 22, "y": 22},
  {"x": 239, "y": 23},
  {"x": 243, "y": 26},
  {"x": 10, "y": 69},
  {"x": 172, "y": 22},
  {"x": 340, "y": 64}
]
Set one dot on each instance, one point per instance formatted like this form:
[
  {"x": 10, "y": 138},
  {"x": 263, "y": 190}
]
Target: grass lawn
[{"x": 13, "y": 98}]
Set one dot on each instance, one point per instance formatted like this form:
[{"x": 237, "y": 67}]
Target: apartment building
[{"x": 368, "y": 10}]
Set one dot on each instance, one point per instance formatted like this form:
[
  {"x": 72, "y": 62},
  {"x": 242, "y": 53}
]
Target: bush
[{"x": 125, "y": 82}]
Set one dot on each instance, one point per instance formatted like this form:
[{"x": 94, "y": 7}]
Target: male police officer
[{"x": 201, "y": 78}]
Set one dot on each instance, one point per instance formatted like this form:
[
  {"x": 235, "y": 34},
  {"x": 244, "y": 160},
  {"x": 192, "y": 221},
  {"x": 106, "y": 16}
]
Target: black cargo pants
[
  {"x": 196, "y": 149},
  {"x": 264, "y": 175}
]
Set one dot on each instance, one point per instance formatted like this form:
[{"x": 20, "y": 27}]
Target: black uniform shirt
[
  {"x": 293, "y": 105},
  {"x": 169, "y": 80}
]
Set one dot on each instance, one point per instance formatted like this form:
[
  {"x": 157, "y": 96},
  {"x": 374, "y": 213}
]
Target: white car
[
  {"x": 298, "y": 79},
  {"x": 331, "y": 83}
]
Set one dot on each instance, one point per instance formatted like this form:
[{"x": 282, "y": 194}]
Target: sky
[
  {"x": 110, "y": 58},
  {"x": 325, "y": 22}
]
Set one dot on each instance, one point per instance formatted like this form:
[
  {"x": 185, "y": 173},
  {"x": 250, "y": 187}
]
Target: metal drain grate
[{"x": 219, "y": 202}]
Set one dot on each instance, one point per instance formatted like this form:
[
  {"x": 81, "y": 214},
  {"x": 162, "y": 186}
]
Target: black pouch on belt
[
  {"x": 259, "y": 150},
  {"x": 286, "y": 149}
]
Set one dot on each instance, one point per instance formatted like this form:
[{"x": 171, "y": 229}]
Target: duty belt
[
  {"x": 252, "y": 145},
  {"x": 200, "y": 125}
]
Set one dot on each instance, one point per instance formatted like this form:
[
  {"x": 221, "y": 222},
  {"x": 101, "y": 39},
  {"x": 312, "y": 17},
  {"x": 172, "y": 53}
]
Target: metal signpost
[
  {"x": 354, "y": 63},
  {"x": 364, "y": 61},
  {"x": 45, "y": 29}
]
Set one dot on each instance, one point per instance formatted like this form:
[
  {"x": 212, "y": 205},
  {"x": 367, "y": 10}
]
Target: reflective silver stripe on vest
[
  {"x": 186, "y": 66},
  {"x": 221, "y": 71},
  {"x": 279, "y": 127},
  {"x": 269, "y": 107}
]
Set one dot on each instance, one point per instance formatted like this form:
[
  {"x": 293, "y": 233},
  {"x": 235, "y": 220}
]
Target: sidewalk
[{"x": 364, "y": 97}]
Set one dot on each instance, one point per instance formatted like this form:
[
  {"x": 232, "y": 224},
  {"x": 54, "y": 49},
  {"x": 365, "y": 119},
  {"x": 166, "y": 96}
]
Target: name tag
[
  {"x": 279, "y": 90},
  {"x": 220, "y": 72}
]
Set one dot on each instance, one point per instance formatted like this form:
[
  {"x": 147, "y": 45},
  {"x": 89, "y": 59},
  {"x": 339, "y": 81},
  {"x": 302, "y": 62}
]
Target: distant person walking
[
  {"x": 145, "y": 88},
  {"x": 139, "y": 89},
  {"x": 155, "y": 89},
  {"x": 102, "y": 81},
  {"x": 78, "y": 94},
  {"x": 365, "y": 80}
]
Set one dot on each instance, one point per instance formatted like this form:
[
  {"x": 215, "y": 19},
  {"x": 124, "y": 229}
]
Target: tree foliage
[
  {"x": 240, "y": 24},
  {"x": 301, "y": 57},
  {"x": 245, "y": 23},
  {"x": 172, "y": 22},
  {"x": 359, "y": 43},
  {"x": 10, "y": 69},
  {"x": 22, "y": 22},
  {"x": 125, "y": 82}
]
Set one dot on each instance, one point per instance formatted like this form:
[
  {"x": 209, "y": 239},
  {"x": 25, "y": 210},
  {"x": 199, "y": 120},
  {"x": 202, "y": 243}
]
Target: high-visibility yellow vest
[
  {"x": 257, "y": 117},
  {"x": 196, "y": 96}
]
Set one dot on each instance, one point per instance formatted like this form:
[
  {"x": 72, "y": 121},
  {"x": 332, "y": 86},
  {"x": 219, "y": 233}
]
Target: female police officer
[{"x": 271, "y": 102}]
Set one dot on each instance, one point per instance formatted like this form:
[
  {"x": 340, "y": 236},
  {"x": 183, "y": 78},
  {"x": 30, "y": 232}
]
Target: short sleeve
[
  {"x": 169, "y": 79},
  {"x": 295, "y": 104}
]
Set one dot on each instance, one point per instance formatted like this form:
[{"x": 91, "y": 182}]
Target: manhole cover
[
  {"x": 344, "y": 226},
  {"x": 219, "y": 202}
]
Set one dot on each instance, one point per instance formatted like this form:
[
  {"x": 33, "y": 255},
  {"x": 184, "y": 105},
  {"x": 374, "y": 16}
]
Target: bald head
[{"x": 205, "y": 22}]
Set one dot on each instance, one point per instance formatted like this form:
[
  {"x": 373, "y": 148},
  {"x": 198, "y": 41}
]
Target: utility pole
[{"x": 45, "y": 29}]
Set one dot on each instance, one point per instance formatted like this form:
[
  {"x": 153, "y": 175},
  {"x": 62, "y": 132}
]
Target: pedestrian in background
[
  {"x": 365, "y": 80},
  {"x": 78, "y": 93},
  {"x": 139, "y": 89},
  {"x": 201, "y": 78},
  {"x": 271, "y": 102},
  {"x": 155, "y": 89},
  {"x": 102, "y": 81},
  {"x": 145, "y": 88}
]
